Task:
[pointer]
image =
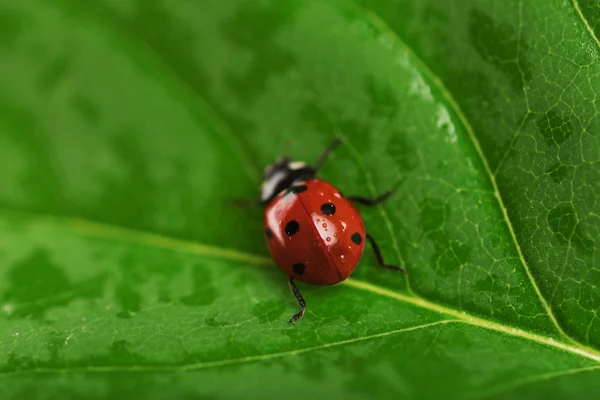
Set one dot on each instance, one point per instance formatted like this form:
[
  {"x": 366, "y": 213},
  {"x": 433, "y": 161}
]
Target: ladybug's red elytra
[{"x": 314, "y": 233}]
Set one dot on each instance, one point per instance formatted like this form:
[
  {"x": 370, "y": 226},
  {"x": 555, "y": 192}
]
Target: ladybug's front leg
[
  {"x": 370, "y": 202},
  {"x": 300, "y": 299},
  {"x": 380, "y": 257}
]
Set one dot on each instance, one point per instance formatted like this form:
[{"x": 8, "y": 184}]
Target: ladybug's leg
[
  {"x": 300, "y": 299},
  {"x": 371, "y": 202},
  {"x": 380, "y": 257},
  {"x": 325, "y": 153}
]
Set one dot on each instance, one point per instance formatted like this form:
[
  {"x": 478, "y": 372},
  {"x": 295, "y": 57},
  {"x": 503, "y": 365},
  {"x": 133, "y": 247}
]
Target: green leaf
[{"x": 125, "y": 126}]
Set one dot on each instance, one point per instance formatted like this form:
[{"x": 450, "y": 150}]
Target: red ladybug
[{"x": 314, "y": 233}]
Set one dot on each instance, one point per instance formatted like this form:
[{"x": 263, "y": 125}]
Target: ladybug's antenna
[
  {"x": 332, "y": 145},
  {"x": 287, "y": 148}
]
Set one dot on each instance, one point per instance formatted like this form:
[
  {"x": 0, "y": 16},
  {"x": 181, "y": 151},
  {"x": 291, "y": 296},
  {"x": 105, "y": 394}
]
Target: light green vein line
[
  {"x": 585, "y": 21},
  {"x": 382, "y": 26},
  {"x": 512, "y": 143},
  {"x": 99, "y": 230},
  {"x": 532, "y": 379},
  {"x": 166, "y": 242},
  {"x": 581, "y": 350},
  {"x": 223, "y": 363}
]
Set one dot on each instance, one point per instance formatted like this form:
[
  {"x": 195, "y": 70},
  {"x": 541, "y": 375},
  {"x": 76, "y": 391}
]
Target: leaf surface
[{"x": 125, "y": 126}]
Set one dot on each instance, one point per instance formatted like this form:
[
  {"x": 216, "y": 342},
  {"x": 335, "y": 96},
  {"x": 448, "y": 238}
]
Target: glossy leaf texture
[{"x": 126, "y": 126}]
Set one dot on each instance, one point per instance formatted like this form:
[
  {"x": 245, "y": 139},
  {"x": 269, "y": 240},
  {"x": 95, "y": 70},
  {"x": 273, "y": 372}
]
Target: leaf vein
[
  {"x": 227, "y": 362},
  {"x": 533, "y": 379}
]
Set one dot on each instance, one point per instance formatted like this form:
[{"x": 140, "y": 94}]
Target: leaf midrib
[
  {"x": 585, "y": 22},
  {"x": 92, "y": 229}
]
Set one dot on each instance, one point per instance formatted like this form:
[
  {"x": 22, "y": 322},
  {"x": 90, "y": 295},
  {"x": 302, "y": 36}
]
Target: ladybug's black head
[{"x": 281, "y": 175}]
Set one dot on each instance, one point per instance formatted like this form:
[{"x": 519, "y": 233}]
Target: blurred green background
[{"x": 125, "y": 127}]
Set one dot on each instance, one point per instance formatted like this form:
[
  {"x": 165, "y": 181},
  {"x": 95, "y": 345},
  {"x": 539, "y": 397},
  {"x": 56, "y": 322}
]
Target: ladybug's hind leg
[
  {"x": 380, "y": 257},
  {"x": 370, "y": 202},
  {"x": 300, "y": 299}
]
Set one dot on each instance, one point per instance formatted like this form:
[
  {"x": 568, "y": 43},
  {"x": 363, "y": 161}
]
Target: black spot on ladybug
[
  {"x": 298, "y": 189},
  {"x": 356, "y": 238},
  {"x": 292, "y": 227},
  {"x": 269, "y": 233},
  {"x": 328, "y": 209},
  {"x": 298, "y": 268}
]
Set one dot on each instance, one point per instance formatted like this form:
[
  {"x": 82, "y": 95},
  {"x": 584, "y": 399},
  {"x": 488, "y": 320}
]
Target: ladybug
[{"x": 314, "y": 234}]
